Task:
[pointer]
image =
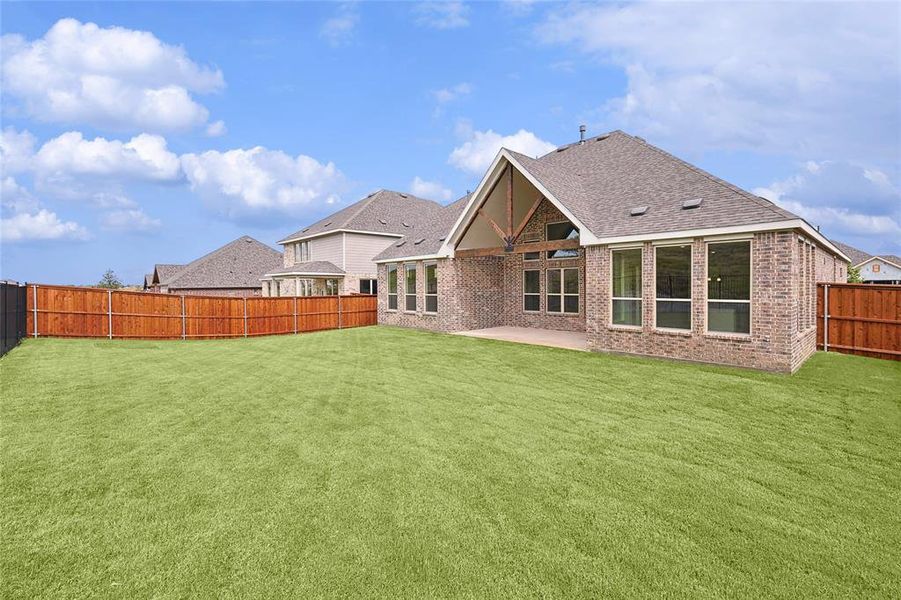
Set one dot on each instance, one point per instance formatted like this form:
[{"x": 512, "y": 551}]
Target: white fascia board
[
  {"x": 877, "y": 257},
  {"x": 409, "y": 258},
  {"x": 468, "y": 213},
  {"x": 331, "y": 231}
]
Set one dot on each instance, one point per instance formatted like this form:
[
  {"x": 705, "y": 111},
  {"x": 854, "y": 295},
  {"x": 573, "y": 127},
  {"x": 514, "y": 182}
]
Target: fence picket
[{"x": 862, "y": 319}]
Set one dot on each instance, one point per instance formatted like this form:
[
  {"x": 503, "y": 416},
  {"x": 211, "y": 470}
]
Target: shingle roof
[
  {"x": 316, "y": 267},
  {"x": 163, "y": 273},
  {"x": 148, "y": 280},
  {"x": 384, "y": 211},
  {"x": 238, "y": 264},
  {"x": 856, "y": 255},
  {"x": 602, "y": 180},
  {"x": 432, "y": 236}
]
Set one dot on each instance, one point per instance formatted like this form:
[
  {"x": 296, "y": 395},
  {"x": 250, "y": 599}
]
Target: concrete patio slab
[{"x": 572, "y": 340}]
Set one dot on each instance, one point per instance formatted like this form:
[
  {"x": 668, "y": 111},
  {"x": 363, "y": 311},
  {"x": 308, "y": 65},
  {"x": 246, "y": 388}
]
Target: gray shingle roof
[
  {"x": 856, "y": 255},
  {"x": 384, "y": 211},
  {"x": 238, "y": 264},
  {"x": 602, "y": 180},
  {"x": 432, "y": 236},
  {"x": 148, "y": 280},
  {"x": 315, "y": 267},
  {"x": 163, "y": 273}
]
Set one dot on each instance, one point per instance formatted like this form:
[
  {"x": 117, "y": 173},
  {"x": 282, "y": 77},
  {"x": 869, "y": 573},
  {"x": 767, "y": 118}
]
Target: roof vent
[
  {"x": 402, "y": 195},
  {"x": 404, "y": 223},
  {"x": 383, "y": 221},
  {"x": 419, "y": 241},
  {"x": 441, "y": 239},
  {"x": 327, "y": 224},
  {"x": 562, "y": 148},
  {"x": 400, "y": 243},
  {"x": 638, "y": 211},
  {"x": 602, "y": 137},
  {"x": 305, "y": 229},
  {"x": 693, "y": 203}
]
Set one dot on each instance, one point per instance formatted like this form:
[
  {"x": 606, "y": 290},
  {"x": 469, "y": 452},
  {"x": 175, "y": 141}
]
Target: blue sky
[{"x": 136, "y": 134}]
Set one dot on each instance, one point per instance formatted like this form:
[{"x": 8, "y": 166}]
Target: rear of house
[{"x": 616, "y": 239}]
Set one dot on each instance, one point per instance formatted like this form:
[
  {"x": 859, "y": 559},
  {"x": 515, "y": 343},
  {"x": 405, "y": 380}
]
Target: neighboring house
[
  {"x": 874, "y": 268},
  {"x": 234, "y": 269},
  {"x": 334, "y": 255},
  {"x": 631, "y": 247}
]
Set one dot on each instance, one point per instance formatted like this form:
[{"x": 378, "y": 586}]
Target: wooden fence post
[
  {"x": 826, "y": 318},
  {"x": 295, "y": 311},
  {"x": 183, "y": 329},
  {"x": 339, "y": 311},
  {"x": 34, "y": 289},
  {"x": 245, "y": 316},
  {"x": 109, "y": 311}
]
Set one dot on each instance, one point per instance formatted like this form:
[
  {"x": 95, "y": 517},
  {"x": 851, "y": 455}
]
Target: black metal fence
[{"x": 13, "y": 306}]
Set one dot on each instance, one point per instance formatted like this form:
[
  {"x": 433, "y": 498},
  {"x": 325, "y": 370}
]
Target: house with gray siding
[
  {"x": 622, "y": 247},
  {"x": 874, "y": 268}
]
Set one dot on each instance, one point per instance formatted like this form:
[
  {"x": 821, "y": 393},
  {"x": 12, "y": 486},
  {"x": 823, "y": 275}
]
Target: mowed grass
[{"x": 381, "y": 462}]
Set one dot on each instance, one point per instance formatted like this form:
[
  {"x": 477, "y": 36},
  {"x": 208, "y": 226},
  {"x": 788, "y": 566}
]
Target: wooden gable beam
[
  {"x": 495, "y": 226},
  {"x": 519, "y": 248},
  {"x": 509, "y": 241},
  {"x": 528, "y": 217}
]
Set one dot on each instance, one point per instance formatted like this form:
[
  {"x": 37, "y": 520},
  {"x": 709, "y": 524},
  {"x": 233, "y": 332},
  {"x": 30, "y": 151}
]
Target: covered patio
[{"x": 571, "y": 340}]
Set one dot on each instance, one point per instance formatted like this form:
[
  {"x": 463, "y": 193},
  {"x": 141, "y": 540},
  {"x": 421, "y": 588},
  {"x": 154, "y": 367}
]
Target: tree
[
  {"x": 854, "y": 275},
  {"x": 109, "y": 280}
]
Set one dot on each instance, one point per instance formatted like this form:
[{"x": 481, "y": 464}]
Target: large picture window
[
  {"x": 392, "y": 287},
  {"x": 729, "y": 287},
  {"x": 673, "y": 286},
  {"x": 531, "y": 290},
  {"x": 562, "y": 291},
  {"x": 561, "y": 231},
  {"x": 431, "y": 288},
  {"x": 410, "y": 287},
  {"x": 627, "y": 287}
]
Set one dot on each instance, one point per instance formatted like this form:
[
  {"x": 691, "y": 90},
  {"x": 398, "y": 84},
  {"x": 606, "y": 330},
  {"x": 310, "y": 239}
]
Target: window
[
  {"x": 273, "y": 288},
  {"x": 531, "y": 255},
  {"x": 729, "y": 287},
  {"x": 331, "y": 287},
  {"x": 531, "y": 291},
  {"x": 673, "y": 286},
  {"x": 563, "y": 290},
  {"x": 302, "y": 252},
  {"x": 431, "y": 288},
  {"x": 410, "y": 287},
  {"x": 561, "y": 231},
  {"x": 392, "y": 287},
  {"x": 305, "y": 287},
  {"x": 369, "y": 286},
  {"x": 627, "y": 287}
]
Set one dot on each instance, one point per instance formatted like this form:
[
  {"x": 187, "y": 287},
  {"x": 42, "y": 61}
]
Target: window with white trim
[
  {"x": 302, "y": 252},
  {"x": 531, "y": 290},
  {"x": 729, "y": 287},
  {"x": 392, "y": 287},
  {"x": 627, "y": 287},
  {"x": 410, "y": 287},
  {"x": 305, "y": 287},
  {"x": 431, "y": 287},
  {"x": 561, "y": 231},
  {"x": 368, "y": 286},
  {"x": 672, "y": 267},
  {"x": 331, "y": 287},
  {"x": 562, "y": 291}
]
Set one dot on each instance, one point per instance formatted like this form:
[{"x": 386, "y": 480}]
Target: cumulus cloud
[
  {"x": 16, "y": 150},
  {"x": 852, "y": 203},
  {"x": 746, "y": 76},
  {"x": 114, "y": 78},
  {"x": 258, "y": 181},
  {"x": 216, "y": 129},
  {"x": 477, "y": 152},
  {"x": 430, "y": 189},
  {"x": 442, "y": 15},
  {"x": 339, "y": 29},
  {"x": 23, "y": 219},
  {"x": 133, "y": 220}
]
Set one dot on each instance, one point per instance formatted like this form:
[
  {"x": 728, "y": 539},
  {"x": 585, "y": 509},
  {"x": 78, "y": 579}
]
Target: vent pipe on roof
[{"x": 582, "y": 130}]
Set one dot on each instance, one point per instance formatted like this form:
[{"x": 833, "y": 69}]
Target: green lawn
[{"x": 384, "y": 462}]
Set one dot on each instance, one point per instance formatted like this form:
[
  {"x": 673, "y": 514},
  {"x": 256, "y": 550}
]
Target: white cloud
[
  {"x": 855, "y": 204},
  {"x": 476, "y": 154},
  {"x": 216, "y": 129},
  {"x": 442, "y": 15},
  {"x": 431, "y": 190},
  {"x": 24, "y": 220},
  {"x": 112, "y": 77},
  {"x": 144, "y": 157},
  {"x": 449, "y": 94},
  {"x": 339, "y": 29},
  {"x": 805, "y": 79},
  {"x": 257, "y": 181},
  {"x": 16, "y": 150},
  {"x": 130, "y": 220}
]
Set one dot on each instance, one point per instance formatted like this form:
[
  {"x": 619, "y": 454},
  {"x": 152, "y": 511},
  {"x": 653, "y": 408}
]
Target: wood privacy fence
[
  {"x": 863, "y": 319},
  {"x": 61, "y": 311}
]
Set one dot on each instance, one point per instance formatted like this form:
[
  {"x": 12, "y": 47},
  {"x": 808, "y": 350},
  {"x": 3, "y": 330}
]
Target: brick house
[
  {"x": 334, "y": 255},
  {"x": 232, "y": 270},
  {"x": 623, "y": 244}
]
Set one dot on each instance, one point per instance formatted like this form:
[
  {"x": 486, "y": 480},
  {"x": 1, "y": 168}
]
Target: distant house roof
[
  {"x": 600, "y": 183},
  {"x": 148, "y": 280},
  {"x": 858, "y": 256},
  {"x": 238, "y": 264},
  {"x": 316, "y": 267},
  {"x": 427, "y": 241},
  {"x": 384, "y": 211},
  {"x": 163, "y": 273}
]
